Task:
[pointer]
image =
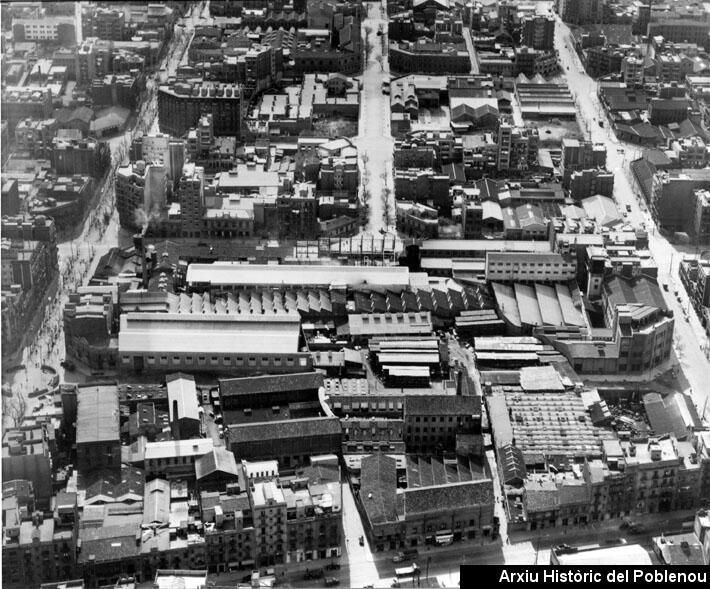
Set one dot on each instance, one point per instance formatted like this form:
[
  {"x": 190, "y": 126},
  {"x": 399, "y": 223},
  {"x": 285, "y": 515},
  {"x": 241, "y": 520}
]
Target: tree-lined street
[
  {"x": 374, "y": 141},
  {"x": 99, "y": 232}
]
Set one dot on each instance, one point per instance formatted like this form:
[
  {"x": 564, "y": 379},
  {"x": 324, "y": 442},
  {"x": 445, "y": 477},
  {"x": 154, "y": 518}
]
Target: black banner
[{"x": 537, "y": 577}]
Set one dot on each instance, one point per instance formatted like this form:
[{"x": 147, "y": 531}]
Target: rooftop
[
  {"x": 177, "y": 448},
  {"x": 285, "y": 429},
  {"x": 272, "y": 383},
  {"x": 231, "y": 274},
  {"x": 165, "y": 333},
  {"x": 97, "y": 414},
  {"x": 182, "y": 395}
]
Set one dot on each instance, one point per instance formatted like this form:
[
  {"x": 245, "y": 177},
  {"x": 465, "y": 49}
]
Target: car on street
[
  {"x": 361, "y": 540},
  {"x": 332, "y": 581},
  {"x": 628, "y": 208},
  {"x": 313, "y": 574},
  {"x": 332, "y": 566}
]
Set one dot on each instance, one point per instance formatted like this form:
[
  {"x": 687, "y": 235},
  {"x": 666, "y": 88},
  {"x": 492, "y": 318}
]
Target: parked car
[
  {"x": 313, "y": 574},
  {"x": 332, "y": 581},
  {"x": 361, "y": 540},
  {"x": 601, "y": 123},
  {"x": 332, "y": 566},
  {"x": 628, "y": 208}
]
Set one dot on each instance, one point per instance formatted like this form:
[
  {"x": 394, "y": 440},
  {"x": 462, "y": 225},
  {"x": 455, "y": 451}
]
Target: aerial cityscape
[{"x": 316, "y": 293}]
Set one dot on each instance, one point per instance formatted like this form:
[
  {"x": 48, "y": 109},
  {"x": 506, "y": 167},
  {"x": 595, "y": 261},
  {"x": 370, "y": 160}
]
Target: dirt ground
[
  {"x": 336, "y": 128},
  {"x": 558, "y": 130}
]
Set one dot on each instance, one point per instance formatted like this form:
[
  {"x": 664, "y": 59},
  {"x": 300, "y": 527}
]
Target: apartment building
[
  {"x": 429, "y": 58},
  {"x": 181, "y": 105},
  {"x": 191, "y": 196},
  {"x": 517, "y": 146},
  {"x": 538, "y": 31},
  {"x": 141, "y": 194}
]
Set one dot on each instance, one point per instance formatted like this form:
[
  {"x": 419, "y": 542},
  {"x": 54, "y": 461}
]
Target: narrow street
[
  {"x": 100, "y": 232},
  {"x": 374, "y": 141},
  {"x": 689, "y": 335},
  {"x": 471, "y": 50}
]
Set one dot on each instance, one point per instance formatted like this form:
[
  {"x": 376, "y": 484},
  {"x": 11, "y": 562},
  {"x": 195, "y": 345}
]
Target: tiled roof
[
  {"x": 292, "y": 428},
  {"x": 271, "y": 383},
  {"x": 664, "y": 415},
  {"x": 442, "y": 405},
  {"x": 542, "y": 499},
  {"x": 573, "y": 494},
  {"x": 448, "y": 497},
  {"x": 106, "y": 544},
  {"x": 639, "y": 290},
  {"x": 220, "y": 459},
  {"x": 378, "y": 488}
]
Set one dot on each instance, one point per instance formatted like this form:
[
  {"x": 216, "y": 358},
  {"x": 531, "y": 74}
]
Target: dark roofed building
[
  {"x": 216, "y": 469},
  {"x": 98, "y": 443},
  {"x": 640, "y": 290},
  {"x": 512, "y": 465},
  {"x": 108, "y": 552},
  {"x": 124, "y": 486},
  {"x": 378, "y": 491},
  {"x": 644, "y": 170},
  {"x": 433, "y": 422},
  {"x": 666, "y": 414},
  {"x": 237, "y": 393},
  {"x": 290, "y": 441},
  {"x": 445, "y": 500}
]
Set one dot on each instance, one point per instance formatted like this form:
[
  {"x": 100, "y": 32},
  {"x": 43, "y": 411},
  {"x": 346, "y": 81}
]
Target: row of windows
[
  {"x": 433, "y": 419},
  {"x": 425, "y": 430},
  {"x": 176, "y": 460},
  {"x": 225, "y": 360}
]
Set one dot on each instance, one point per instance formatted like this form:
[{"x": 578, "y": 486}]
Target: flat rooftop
[
  {"x": 97, "y": 418},
  {"x": 232, "y": 274},
  {"x": 220, "y": 334}
]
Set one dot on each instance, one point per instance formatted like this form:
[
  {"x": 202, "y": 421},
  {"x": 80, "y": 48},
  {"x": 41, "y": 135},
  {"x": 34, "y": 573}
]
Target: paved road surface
[
  {"x": 689, "y": 334},
  {"x": 471, "y": 50},
  {"x": 374, "y": 141},
  {"x": 78, "y": 257}
]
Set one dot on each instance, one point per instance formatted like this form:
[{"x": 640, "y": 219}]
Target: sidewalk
[{"x": 655, "y": 524}]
